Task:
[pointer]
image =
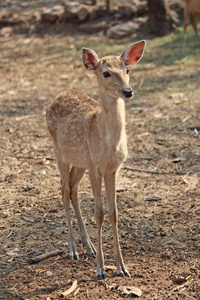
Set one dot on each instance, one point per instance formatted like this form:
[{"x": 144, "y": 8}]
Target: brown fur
[{"x": 192, "y": 13}]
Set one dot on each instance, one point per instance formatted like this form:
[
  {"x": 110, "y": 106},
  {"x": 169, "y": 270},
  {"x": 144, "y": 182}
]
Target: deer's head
[{"x": 112, "y": 71}]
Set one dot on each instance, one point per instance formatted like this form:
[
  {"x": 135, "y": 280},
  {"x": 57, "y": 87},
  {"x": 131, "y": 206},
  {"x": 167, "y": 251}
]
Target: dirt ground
[{"x": 158, "y": 201}]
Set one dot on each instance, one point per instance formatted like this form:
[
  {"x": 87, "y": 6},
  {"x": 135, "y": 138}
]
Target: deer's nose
[{"x": 128, "y": 93}]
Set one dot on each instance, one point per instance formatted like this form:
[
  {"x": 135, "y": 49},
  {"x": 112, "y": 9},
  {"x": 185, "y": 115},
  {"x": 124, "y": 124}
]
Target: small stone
[
  {"x": 92, "y": 27},
  {"x": 163, "y": 233},
  {"x": 153, "y": 198},
  {"x": 122, "y": 30},
  {"x": 165, "y": 255},
  {"x": 177, "y": 96},
  {"x": 49, "y": 273},
  {"x": 64, "y": 76},
  {"x": 6, "y": 31},
  {"x": 177, "y": 279},
  {"x": 52, "y": 14}
]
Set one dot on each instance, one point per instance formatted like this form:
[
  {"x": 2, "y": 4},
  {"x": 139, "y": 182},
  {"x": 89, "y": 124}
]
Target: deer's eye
[
  {"x": 106, "y": 74},
  {"x": 127, "y": 71}
]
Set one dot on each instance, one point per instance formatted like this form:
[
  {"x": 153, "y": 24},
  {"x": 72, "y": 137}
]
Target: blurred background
[{"x": 113, "y": 18}]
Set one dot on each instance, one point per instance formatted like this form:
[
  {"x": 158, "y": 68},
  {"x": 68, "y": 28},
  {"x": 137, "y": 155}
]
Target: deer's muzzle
[{"x": 128, "y": 93}]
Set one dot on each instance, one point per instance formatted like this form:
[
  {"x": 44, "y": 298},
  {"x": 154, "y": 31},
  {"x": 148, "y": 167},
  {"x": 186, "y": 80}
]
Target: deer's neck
[{"x": 113, "y": 119}]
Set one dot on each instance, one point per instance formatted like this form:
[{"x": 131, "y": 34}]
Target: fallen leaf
[
  {"x": 39, "y": 270},
  {"x": 130, "y": 291}
]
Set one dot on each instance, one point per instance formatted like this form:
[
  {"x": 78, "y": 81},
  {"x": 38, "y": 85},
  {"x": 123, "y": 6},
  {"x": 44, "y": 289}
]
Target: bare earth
[{"x": 159, "y": 212}]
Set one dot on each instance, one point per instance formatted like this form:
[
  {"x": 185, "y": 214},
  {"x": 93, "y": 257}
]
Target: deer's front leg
[
  {"x": 96, "y": 181},
  {"x": 110, "y": 185}
]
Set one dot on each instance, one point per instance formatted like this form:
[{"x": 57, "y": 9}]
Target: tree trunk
[
  {"x": 161, "y": 19},
  {"x": 109, "y": 5}
]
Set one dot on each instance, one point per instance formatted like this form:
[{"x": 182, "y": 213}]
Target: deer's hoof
[
  {"x": 92, "y": 253},
  {"x": 74, "y": 256},
  {"x": 126, "y": 273},
  {"x": 120, "y": 274},
  {"x": 123, "y": 274},
  {"x": 101, "y": 276}
]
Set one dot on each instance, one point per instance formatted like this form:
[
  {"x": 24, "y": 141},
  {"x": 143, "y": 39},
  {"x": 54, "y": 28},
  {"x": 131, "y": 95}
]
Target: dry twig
[
  {"x": 152, "y": 172},
  {"x": 29, "y": 116},
  {"x": 145, "y": 171},
  {"x": 37, "y": 259}
]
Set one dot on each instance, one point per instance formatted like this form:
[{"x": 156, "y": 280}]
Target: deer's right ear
[
  {"x": 90, "y": 59},
  {"x": 133, "y": 54}
]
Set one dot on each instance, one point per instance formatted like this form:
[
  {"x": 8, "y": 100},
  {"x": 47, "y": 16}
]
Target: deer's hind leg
[
  {"x": 64, "y": 168},
  {"x": 75, "y": 176},
  {"x": 194, "y": 20}
]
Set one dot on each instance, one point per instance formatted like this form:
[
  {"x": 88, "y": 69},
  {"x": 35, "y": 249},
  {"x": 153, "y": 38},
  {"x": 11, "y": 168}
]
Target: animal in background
[{"x": 192, "y": 14}]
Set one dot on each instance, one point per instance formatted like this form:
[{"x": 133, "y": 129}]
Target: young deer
[
  {"x": 91, "y": 135},
  {"x": 192, "y": 12}
]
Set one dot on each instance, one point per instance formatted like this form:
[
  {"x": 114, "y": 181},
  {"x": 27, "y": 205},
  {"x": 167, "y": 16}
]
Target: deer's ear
[
  {"x": 90, "y": 59},
  {"x": 133, "y": 53}
]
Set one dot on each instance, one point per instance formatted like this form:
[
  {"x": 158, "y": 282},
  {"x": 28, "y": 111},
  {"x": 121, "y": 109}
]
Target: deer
[
  {"x": 192, "y": 13},
  {"x": 91, "y": 135}
]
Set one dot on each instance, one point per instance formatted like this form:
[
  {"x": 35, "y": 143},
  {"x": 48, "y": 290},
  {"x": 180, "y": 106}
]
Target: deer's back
[
  {"x": 193, "y": 5},
  {"x": 69, "y": 111}
]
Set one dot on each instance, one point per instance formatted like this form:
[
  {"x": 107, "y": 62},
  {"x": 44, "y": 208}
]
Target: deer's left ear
[
  {"x": 133, "y": 53},
  {"x": 90, "y": 59}
]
